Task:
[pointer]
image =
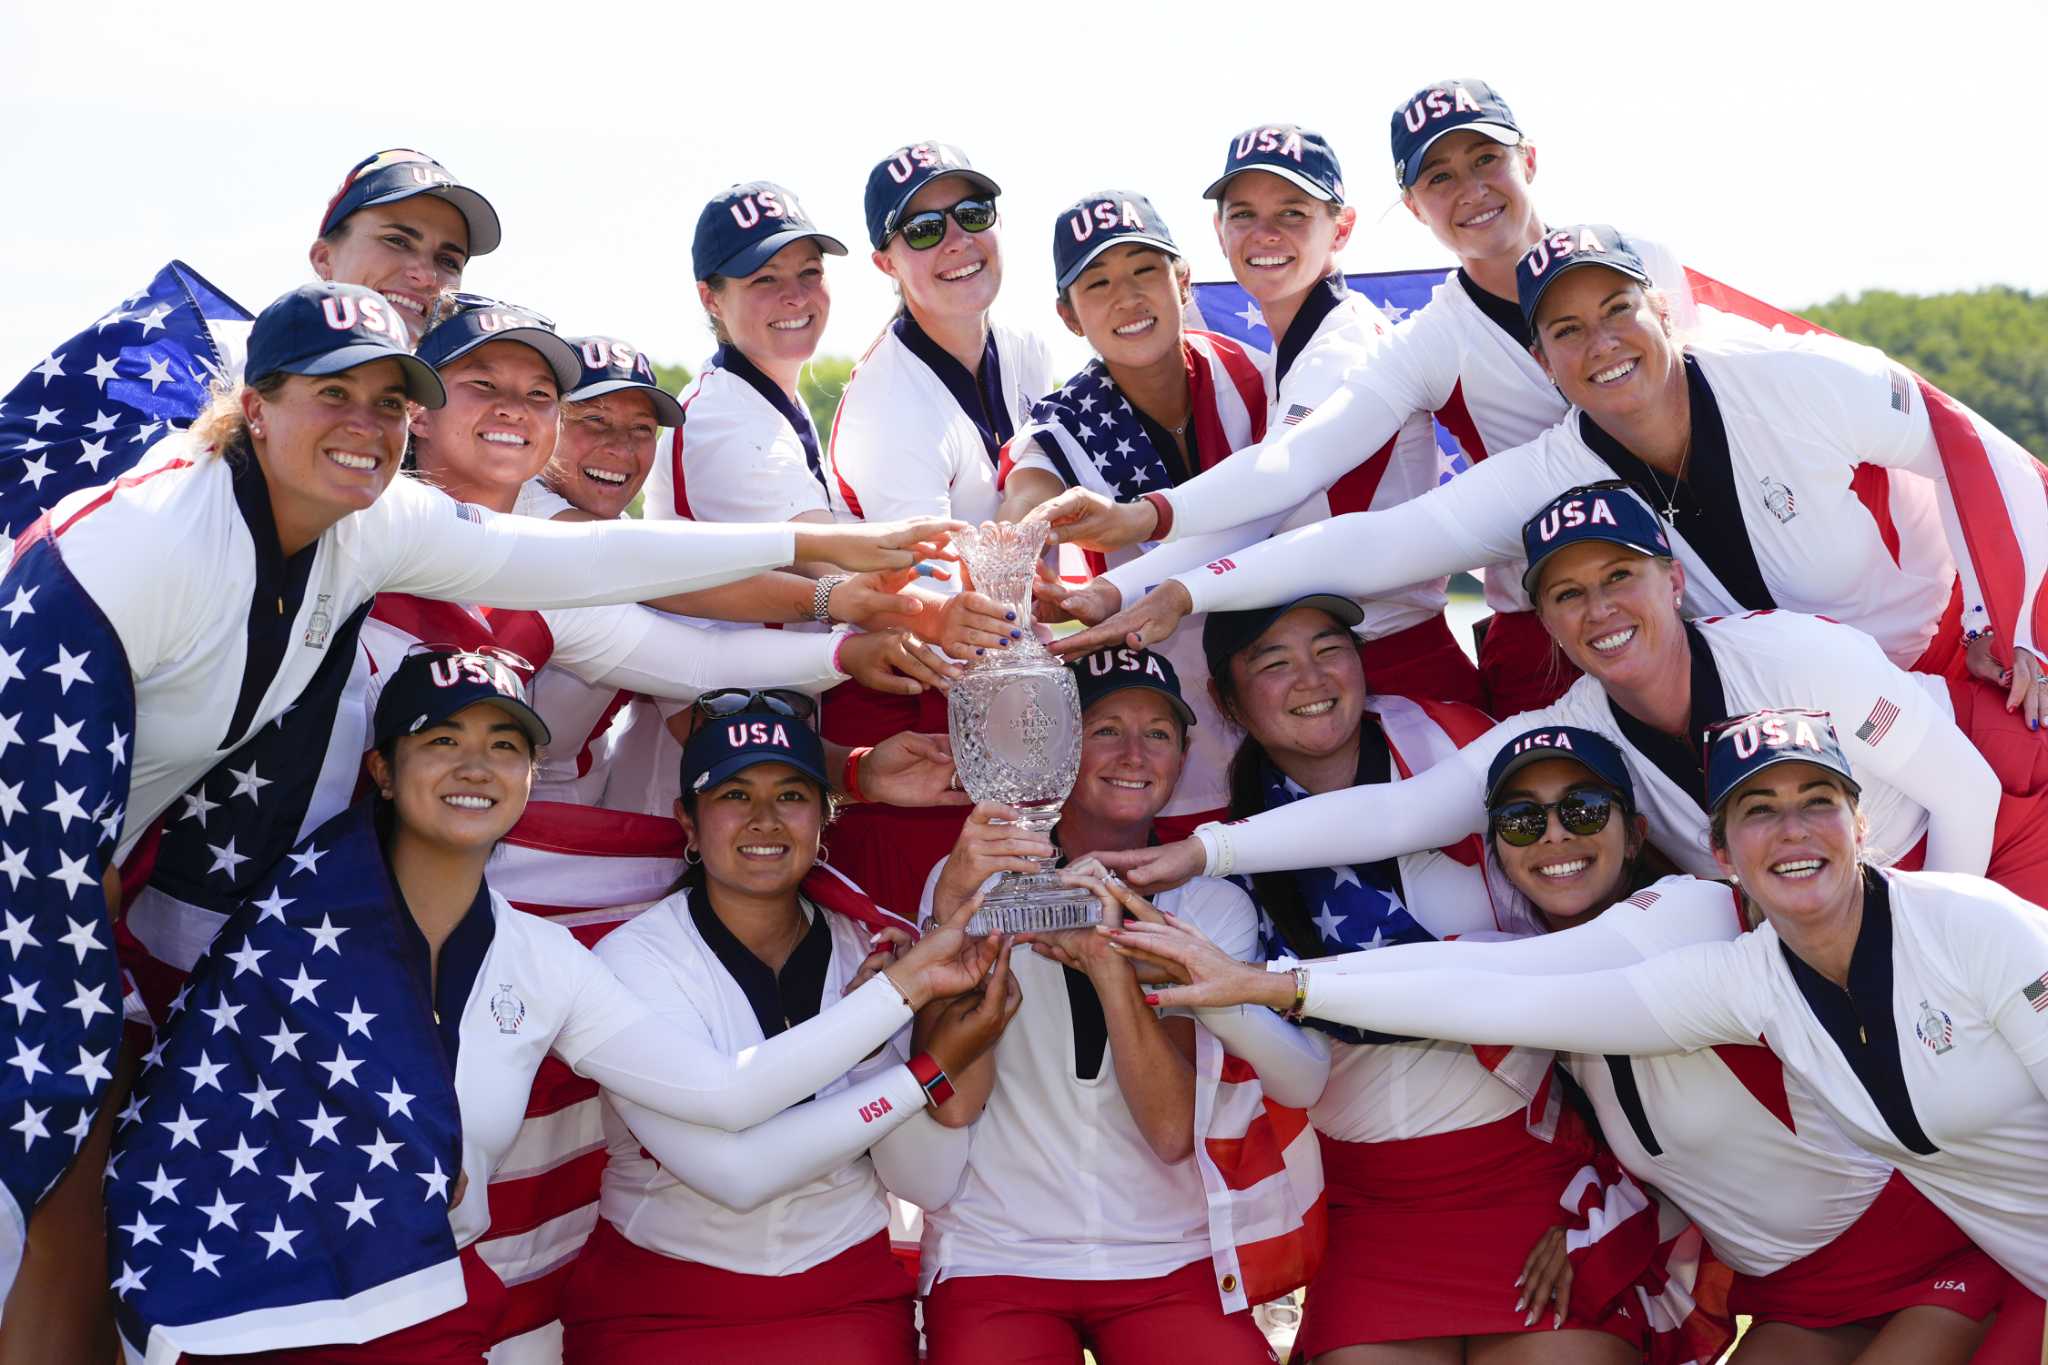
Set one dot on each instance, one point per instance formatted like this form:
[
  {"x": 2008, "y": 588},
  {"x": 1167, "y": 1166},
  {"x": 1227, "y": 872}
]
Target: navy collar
[
  {"x": 1860, "y": 1018},
  {"x": 1682, "y": 760},
  {"x": 1505, "y": 314},
  {"x": 730, "y": 358},
  {"x": 274, "y": 599},
  {"x": 1704, "y": 503},
  {"x": 780, "y": 1000},
  {"x": 1322, "y": 300},
  {"x": 980, "y": 395},
  {"x": 462, "y": 957}
]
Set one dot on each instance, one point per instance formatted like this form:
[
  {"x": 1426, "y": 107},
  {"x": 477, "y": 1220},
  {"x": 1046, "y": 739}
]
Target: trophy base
[{"x": 1034, "y": 903}]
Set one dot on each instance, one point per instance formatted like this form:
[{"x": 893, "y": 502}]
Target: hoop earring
[
  {"x": 824, "y": 853},
  {"x": 691, "y": 857}
]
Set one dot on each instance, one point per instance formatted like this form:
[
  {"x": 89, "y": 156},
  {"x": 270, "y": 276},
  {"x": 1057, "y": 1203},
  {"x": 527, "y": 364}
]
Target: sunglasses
[
  {"x": 458, "y": 301},
  {"x": 923, "y": 231},
  {"x": 731, "y": 701},
  {"x": 1582, "y": 811},
  {"x": 516, "y": 662}
]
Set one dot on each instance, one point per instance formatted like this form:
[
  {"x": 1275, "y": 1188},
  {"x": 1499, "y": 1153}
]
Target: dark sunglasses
[
  {"x": 457, "y": 301},
  {"x": 517, "y": 663},
  {"x": 731, "y": 701},
  {"x": 923, "y": 231},
  {"x": 1582, "y": 811}
]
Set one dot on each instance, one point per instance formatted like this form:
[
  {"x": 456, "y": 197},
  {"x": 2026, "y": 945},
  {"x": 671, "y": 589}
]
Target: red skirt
[
  {"x": 888, "y": 850},
  {"x": 1523, "y": 669},
  {"x": 1428, "y": 1235},
  {"x": 1901, "y": 1253},
  {"x": 626, "y": 1305},
  {"x": 460, "y": 1336},
  {"x": 1423, "y": 662},
  {"x": 1170, "y": 1319}
]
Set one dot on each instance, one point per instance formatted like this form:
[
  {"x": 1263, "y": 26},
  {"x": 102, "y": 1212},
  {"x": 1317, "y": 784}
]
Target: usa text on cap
[
  {"x": 325, "y": 328},
  {"x": 1289, "y": 151},
  {"x": 399, "y": 173},
  {"x": 741, "y": 229},
  {"x": 1096, "y": 222},
  {"x": 1739, "y": 749},
  {"x": 1609, "y": 512},
  {"x": 614, "y": 366},
  {"x": 1594, "y": 752},
  {"x": 1116, "y": 667},
  {"x": 1563, "y": 249},
  {"x": 901, "y": 174},
  {"x": 1447, "y": 107},
  {"x": 729, "y": 745},
  {"x": 456, "y": 336},
  {"x": 429, "y": 686}
]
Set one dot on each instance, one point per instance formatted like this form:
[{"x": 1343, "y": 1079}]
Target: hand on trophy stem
[
  {"x": 990, "y": 843},
  {"x": 1143, "y": 625},
  {"x": 910, "y": 769},
  {"x": 973, "y": 623}
]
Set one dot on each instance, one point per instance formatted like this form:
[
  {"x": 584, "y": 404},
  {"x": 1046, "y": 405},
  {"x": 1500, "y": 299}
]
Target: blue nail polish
[
  {"x": 1009, "y": 616},
  {"x": 1006, "y": 644},
  {"x": 1016, "y": 635},
  {"x": 981, "y": 651}
]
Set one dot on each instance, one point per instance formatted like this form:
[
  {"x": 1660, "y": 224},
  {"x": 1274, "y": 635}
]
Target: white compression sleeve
[
  {"x": 924, "y": 1161},
  {"x": 1437, "y": 806},
  {"x": 1591, "y": 947},
  {"x": 1136, "y": 577},
  {"x": 1598, "y": 1012},
  {"x": 1293, "y": 1063},
  {"x": 660, "y": 1067},
  {"x": 805, "y": 1142},
  {"x": 676, "y": 660},
  {"x": 1275, "y": 476}
]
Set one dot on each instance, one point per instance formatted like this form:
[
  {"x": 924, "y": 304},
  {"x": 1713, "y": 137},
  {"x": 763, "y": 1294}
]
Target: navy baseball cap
[
  {"x": 400, "y": 173},
  {"x": 1594, "y": 752},
  {"x": 1563, "y": 249},
  {"x": 613, "y": 366},
  {"x": 1096, "y": 222},
  {"x": 1599, "y": 511},
  {"x": 1288, "y": 151},
  {"x": 905, "y": 171},
  {"x": 1744, "y": 746},
  {"x": 732, "y": 744},
  {"x": 429, "y": 686},
  {"x": 1116, "y": 667},
  {"x": 1447, "y": 107},
  {"x": 325, "y": 328},
  {"x": 1224, "y": 633},
  {"x": 460, "y": 333},
  {"x": 740, "y": 229}
]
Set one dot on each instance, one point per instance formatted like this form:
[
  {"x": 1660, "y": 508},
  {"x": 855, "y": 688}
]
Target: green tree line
[
  {"x": 1987, "y": 348},
  {"x": 819, "y": 385}
]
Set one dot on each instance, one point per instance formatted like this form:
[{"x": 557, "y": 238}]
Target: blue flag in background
[
  {"x": 85, "y": 415},
  {"x": 1226, "y": 308}
]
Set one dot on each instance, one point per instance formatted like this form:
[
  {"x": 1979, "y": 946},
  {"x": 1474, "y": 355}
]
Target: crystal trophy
[{"x": 1015, "y": 719}]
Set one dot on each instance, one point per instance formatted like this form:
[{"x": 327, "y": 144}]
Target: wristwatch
[{"x": 821, "y": 595}]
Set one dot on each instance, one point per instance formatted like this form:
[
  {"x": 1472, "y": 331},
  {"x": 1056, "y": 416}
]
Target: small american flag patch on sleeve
[
  {"x": 1902, "y": 392},
  {"x": 2035, "y": 993},
  {"x": 1295, "y": 414},
  {"x": 1878, "y": 723},
  {"x": 1643, "y": 900},
  {"x": 469, "y": 511}
]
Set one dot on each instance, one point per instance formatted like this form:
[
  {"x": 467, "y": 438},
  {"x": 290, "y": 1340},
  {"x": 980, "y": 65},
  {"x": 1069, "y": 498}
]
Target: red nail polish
[{"x": 1151, "y": 999}]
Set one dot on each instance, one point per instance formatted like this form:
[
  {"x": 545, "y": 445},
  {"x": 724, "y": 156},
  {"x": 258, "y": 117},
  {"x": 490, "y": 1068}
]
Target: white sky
[{"x": 1795, "y": 150}]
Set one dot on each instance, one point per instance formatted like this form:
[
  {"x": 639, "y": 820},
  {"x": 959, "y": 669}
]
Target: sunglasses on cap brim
[
  {"x": 923, "y": 231},
  {"x": 455, "y": 302},
  {"x": 732, "y": 701},
  {"x": 1583, "y": 811}
]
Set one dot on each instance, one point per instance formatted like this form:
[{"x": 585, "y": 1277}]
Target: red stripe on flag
[
  {"x": 521, "y": 1204},
  {"x": 1457, "y": 419},
  {"x": 555, "y": 1088},
  {"x": 1986, "y": 521},
  {"x": 125, "y": 481}
]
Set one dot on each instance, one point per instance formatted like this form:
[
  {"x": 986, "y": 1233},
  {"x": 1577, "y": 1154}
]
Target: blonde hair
[{"x": 221, "y": 427}]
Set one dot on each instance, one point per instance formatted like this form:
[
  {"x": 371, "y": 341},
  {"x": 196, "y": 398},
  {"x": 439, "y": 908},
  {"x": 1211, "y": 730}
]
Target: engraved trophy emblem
[{"x": 1015, "y": 720}]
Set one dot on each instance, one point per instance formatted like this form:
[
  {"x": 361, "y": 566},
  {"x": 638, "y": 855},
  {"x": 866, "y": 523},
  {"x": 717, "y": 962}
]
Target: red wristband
[
  {"x": 849, "y": 780},
  {"x": 1164, "y": 508},
  {"x": 932, "y": 1076}
]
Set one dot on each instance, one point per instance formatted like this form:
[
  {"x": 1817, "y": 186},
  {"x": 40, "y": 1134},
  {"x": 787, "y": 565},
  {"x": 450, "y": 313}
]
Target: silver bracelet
[{"x": 821, "y": 595}]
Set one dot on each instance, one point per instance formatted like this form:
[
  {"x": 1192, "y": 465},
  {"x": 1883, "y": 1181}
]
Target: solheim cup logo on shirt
[
  {"x": 507, "y": 1008},
  {"x": 1778, "y": 499},
  {"x": 1935, "y": 1029}
]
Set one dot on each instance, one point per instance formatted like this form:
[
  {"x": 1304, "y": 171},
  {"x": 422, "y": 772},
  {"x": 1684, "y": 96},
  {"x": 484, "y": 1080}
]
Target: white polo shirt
[
  {"x": 745, "y": 451},
  {"x": 1923, "y": 1059},
  {"x": 916, "y": 435},
  {"x": 668, "y": 959},
  {"x": 1060, "y": 1183}
]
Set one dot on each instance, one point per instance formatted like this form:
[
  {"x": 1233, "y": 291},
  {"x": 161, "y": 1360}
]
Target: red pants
[
  {"x": 2019, "y": 1334},
  {"x": 2018, "y": 755},
  {"x": 1423, "y": 662},
  {"x": 626, "y": 1305},
  {"x": 460, "y": 1336},
  {"x": 1520, "y": 665},
  {"x": 1901, "y": 1253},
  {"x": 888, "y": 850},
  {"x": 1428, "y": 1235},
  {"x": 1171, "y": 1320}
]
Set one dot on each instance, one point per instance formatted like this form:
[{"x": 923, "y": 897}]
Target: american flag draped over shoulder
[
  {"x": 86, "y": 414},
  {"x": 281, "y": 1175},
  {"x": 67, "y": 717}
]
